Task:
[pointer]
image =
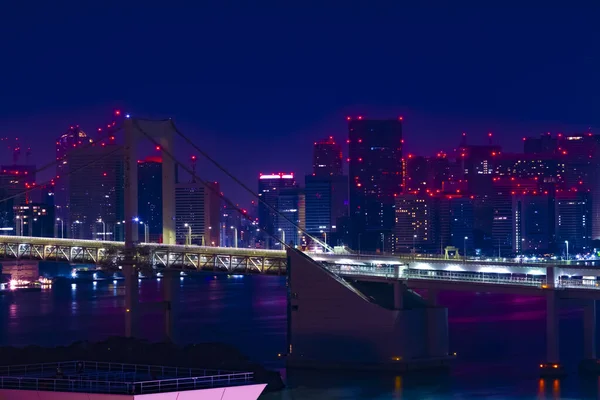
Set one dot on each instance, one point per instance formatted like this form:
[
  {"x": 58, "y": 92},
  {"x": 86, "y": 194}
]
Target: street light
[
  {"x": 103, "y": 228},
  {"x": 324, "y": 234},
  {"x": 567, "y": 243},
  {"x": 189, "y": 235},
  {"x": 465, "y": 246},
  {"x": 146, "y": 233},
  {"x": 235, "y": 237},
  {"x": 282, "y": 236},
  {"x": 62, "y": 228},
  {"x": 414, "y": 239},
  {"x": 19, "y": 226}
]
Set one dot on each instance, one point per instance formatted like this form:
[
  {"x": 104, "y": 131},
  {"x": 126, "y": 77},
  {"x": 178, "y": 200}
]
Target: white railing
[
  {"x": 102, "y": 377},
  {"x": 476, "y": 277}
]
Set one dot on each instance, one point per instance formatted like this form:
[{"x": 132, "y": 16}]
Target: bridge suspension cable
[
  {"x": 245, "y": 187},
  {"x": 205, "y": 183}
]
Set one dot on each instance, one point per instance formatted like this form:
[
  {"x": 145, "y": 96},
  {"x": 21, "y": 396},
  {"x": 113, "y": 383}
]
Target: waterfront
[{"x": 499, "y": 338}]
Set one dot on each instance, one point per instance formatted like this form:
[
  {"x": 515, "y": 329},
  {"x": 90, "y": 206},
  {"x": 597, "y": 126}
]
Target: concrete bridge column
[
  {"x": 552, "y": 324},
  {"x": 131, "y": 300},
  {"x": 589, "y": 330},
  {"x": 171, "y": 300},
  {"x": 432, "y": 297},
  {"x": 398, "y": 295}
]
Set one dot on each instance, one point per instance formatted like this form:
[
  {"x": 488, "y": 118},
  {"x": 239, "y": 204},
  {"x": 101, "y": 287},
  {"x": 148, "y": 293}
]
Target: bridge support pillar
[
  {"x": 552, "y": 324},
  {"x": 398, "y": 295},
  {"x": 170, "y": 297},
  {"x": 131, "y": 300},
  {"x": 432, "y": 297},
  {"x": 589, "y": 330}
]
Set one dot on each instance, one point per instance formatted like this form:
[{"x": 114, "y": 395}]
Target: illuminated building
[
  {"x": 573, "y": 220},
  {"x": 327, "y": 158},
  {"x": 291, "y": 216},
  {"x": 417, "y": 173},
  {"x": 375, "y": 177},
  {"x": 34, "y": 219},
  {"x": 94, "y": 179},
  {"x": 269, "y": 186},
  {"x": 412, "y": 228},
  {"x": 197, "y": 211},
  {"x": 73, "y": 139},
  {"x": 462, "y": 222},
  {"x": 326, "y": 204},
  {"x": 533, "y": 215},
  {"x": 501, "y": 201}
]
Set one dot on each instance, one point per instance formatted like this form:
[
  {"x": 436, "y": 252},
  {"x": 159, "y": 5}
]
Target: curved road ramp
[{"x": 78, "y": 380}]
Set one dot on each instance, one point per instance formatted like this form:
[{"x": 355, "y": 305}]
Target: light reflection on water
[{"x": 499, "y": 338}]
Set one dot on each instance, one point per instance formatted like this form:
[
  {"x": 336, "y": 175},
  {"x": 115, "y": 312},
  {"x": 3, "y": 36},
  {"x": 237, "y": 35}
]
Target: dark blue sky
[{"x": 257, "y": 85}]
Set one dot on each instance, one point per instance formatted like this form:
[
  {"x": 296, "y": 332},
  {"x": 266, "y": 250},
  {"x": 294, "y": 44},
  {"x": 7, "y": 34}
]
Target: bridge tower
[{"x": 137, "y": 131}]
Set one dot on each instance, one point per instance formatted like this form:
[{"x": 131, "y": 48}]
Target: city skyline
[{"x": 286, "y": 86}]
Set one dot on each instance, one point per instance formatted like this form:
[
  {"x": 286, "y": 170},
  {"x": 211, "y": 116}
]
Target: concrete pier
[
  {"x": 171, "y": 298},
  {"x": 552, "y": 324},
  {"x": 589, "y": 330},
  {"x": 398, "y": 295}
]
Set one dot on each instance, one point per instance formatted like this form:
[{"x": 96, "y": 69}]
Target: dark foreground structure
[
  {"x": 378, "y": 324},
  {"x": 100, "y": 380}
]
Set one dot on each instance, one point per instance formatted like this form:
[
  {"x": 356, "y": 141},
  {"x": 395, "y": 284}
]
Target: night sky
[{"x": 256, "y": 86}]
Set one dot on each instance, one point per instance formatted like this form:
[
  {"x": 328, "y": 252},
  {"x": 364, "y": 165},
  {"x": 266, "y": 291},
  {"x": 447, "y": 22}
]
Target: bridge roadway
[{"x": 451, "y": 274}]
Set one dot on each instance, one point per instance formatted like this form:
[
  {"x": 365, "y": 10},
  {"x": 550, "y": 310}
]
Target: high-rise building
[
  {"x": 326, "y": 203},
  {"x": 15, "y": 183},
  {"x": 327, "y": 158},
  {"x": 545, "y": 144},
  {"x": 150, "y": 196},
  {"x": 291, "y": 216},
  {"x": 269, "y": 187},
  {"x": 573, "y": 220},
  {"x": 375, "y": 177},
  {"x": 35, "y": 219},
  {"x": 412, "y": 230},
  {"x": 501, "y": 201},
  {"x": 532, "y": 217},
  {"x": 74, "y": 138},
  {"x": 462, "y": 222},
  {"x": 197, "y": 210},
  {"x": 94, "y": 179},
  {"x": 416, "y": 174}
]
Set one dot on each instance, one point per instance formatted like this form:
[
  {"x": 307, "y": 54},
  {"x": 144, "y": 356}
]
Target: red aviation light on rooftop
[
  {"x": 194, "y": 157},
  {"x": 104, "y": 174},
  {"x": 400, "y": 118},
  {"x": 360, "y": 117},
  {"x": 157, "y": 148},
  {"x": 348, "y": 118},
  {"x": 99, "y": 129},
  {"x": 117, "y": 112}
]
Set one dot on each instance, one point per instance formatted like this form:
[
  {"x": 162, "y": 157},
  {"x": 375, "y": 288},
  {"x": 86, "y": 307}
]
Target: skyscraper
[
  {"x": 531, "y": 222},
  {"x": 327, "y": 158},
  {"x": 74, "y": 138},
  {"x": 573, "y": 216},
  {"x": 150, "y": 196},
  {"x": 291, "y": 207},
  {"x": 94, "y": 179},
  {"x": 269, "y": 187},
  {"x": 197, "y": 211},
  {"x": 326, "y": 203},
  {"x": 375, "y": 155}
]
